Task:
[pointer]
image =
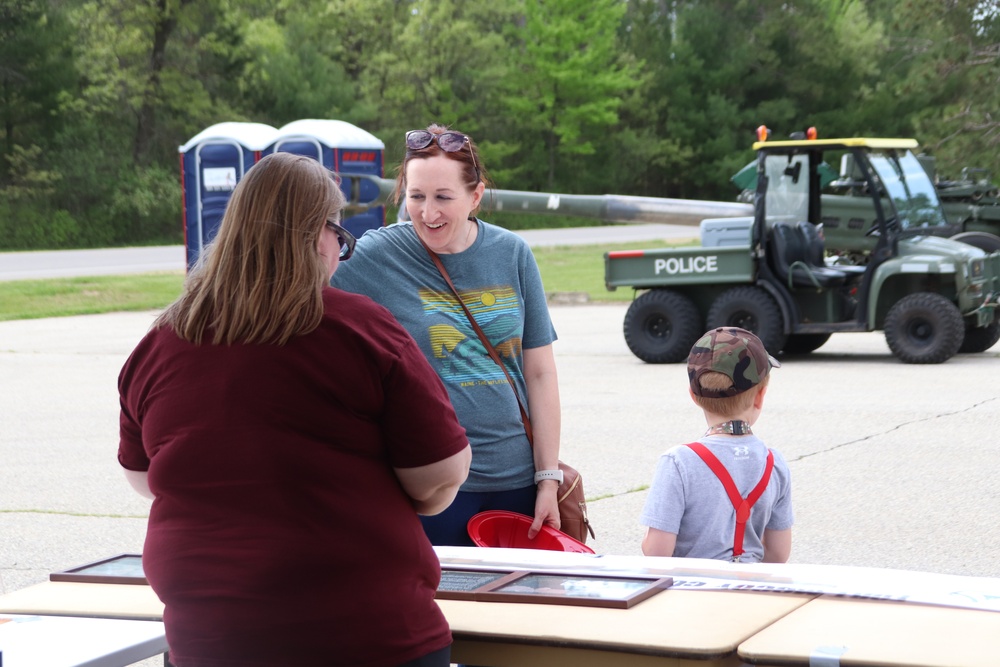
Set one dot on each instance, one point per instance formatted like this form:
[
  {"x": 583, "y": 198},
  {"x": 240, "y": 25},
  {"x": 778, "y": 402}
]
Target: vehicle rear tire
[
  {"x": 924, "y": 328},
  {"x": 661, "y": 326},
  {"x": 804, "y": 343},
  {"x": 749, "y": 308},
  {"x": 980, "y": 339},
  {"x": 982, "y": 240}
]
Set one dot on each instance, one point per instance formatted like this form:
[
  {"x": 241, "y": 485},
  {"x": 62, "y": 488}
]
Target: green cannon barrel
[
  {"x": 608, "y": 208},
  {"x": 618, "y": 208}
]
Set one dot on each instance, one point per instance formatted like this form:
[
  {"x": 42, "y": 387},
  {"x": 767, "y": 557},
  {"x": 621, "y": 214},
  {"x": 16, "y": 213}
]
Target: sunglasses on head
[
  {"x": 449, "y": 142},
  {"x": 346, "y": 238}
]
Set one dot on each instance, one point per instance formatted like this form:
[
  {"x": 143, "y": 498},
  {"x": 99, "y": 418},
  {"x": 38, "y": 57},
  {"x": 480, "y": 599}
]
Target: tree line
[{"x": 642, "y": 97}]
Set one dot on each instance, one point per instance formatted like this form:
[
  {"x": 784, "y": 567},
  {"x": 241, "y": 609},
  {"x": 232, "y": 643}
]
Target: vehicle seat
[
  {"x": 790, "y": 260},
  {"x": 816, "y": 254}
]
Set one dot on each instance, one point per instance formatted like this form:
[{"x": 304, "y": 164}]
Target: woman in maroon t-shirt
[{"x": 289, "y": 435}]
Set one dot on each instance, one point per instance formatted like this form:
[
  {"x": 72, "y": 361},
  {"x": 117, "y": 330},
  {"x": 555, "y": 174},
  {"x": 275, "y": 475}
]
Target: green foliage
[
  {"x": 29, "y": 226},
  {"x": 639, "y": 97},
  {"x": 290, "y": 71},
  {"x": 951, "y": 53},
  {"x": 28, "y": 218},
  {"x": 35, "y": 68},
  {"x": 146, "y": 207},
  {"x": 569, "y": 86}
]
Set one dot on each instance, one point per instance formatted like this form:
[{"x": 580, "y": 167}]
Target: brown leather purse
[{"x": 572, "y": 501}]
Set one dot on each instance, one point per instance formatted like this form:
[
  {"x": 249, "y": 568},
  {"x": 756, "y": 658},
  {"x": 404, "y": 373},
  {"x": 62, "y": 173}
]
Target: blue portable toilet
[
  {"x": 212, "y": 163},
  {"x": 345, "y": 149},
  {"x": 215, "y": 159}
]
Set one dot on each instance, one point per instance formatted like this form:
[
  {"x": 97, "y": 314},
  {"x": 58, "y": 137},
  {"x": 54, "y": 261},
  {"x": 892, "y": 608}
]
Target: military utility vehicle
[
  {"x": 971, "y": 206},
  {"x": 770, "y": 272}
]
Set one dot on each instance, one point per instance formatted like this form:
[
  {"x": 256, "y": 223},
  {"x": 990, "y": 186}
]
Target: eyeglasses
[
  {"x": 449, "y": 142},
  {"x": 346, "y": 238}
]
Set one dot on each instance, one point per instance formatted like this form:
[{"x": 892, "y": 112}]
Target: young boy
[{"x": 700, "y": 490}]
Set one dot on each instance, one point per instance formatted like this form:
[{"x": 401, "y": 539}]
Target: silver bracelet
[{"x": 549, "y": 474}]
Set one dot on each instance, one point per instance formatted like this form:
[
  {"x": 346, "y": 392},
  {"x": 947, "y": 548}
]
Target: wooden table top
[
  {"x": 875, "y": 632},
  {"x": 672, "y": 622}
]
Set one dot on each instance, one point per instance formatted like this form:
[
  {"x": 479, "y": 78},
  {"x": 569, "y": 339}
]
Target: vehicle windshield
[
  {"x": 910, "y": 189},
  {"x": 787, "y": 198}
]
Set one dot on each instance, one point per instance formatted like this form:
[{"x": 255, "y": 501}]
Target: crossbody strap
[
  {"x": 740, "y": 504},
  {"x": 482, "y": 337}
]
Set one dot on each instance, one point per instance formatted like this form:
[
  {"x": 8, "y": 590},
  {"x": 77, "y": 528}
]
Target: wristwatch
[{"x": 549, "y": 474}]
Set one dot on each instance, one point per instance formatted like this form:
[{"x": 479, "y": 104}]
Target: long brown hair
[{"x": 261, "y": 279}]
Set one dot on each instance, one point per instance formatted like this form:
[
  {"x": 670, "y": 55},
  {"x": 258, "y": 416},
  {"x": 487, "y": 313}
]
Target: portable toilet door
[
  {"x": 212, "y": 163},
  {"x": 347, "y": 150}
]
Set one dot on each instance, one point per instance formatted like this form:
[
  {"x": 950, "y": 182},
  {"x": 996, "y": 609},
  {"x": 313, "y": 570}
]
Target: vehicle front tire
[
  {"x": 804, "y": 343},
  {"x": 749, "y": 308},
  {"x": 980, "y": 339},
  {"x": 924, "y": 328},
  {"x": 661, "y": 326}
]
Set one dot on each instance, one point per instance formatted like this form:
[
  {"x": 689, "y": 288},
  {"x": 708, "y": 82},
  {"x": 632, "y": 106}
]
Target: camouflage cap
[{"x": 734, "y": 352}]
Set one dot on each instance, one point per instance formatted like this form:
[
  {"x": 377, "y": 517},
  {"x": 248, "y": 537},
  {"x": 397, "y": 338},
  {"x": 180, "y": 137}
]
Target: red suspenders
[{"x": 741, "y": 505}]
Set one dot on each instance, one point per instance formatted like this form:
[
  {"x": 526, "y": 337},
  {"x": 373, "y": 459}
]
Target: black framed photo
[
  {"x": 121, "y": 569},
  {"x": 574, "y": 589},
  {"x": 589, "y": 590},
  {"x": 460, "y": 584}
]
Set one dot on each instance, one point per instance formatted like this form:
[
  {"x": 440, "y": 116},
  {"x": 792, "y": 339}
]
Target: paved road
[
  {"x": 111, "y": 261},
  {"x": 101, "y": 262}
]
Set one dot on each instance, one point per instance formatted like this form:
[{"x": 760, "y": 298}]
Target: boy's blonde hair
[{"x": 729, "y": 406}]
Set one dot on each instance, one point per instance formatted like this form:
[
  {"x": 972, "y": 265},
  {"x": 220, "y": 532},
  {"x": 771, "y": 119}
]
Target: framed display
[
  {"x": 576, "y": 589},
  {"x": 122, "y": 569},
  {"x": 459, "y": 584},
  {"x": 589, "y": 590}
]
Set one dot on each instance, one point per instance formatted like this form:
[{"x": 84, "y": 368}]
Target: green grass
[
  {"x": 59, "y": 297},
  {"x": 563, "y": 268},
  {"x": 581, "y": 268}
]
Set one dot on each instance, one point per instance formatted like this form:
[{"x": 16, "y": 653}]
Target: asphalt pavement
[{"x": 893, "y": 465}]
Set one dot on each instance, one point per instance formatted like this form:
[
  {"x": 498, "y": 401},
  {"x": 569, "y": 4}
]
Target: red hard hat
[{"x": 500, "y": 528}]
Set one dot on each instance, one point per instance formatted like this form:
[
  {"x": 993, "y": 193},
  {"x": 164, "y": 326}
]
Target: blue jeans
[
  {"x": 441, "y": 658},
  {"x": 449, "y": 527}
]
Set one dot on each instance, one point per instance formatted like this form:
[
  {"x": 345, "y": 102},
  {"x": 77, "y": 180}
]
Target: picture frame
[
  {"x": 462, "y": 584},
  {"x": 540, "y": 587},
  {"x": 120, "y": 569}
]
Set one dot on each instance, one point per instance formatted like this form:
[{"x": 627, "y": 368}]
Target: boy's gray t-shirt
[
  {"x": 499, "y": 282},
  {"x": 686, "y": 498}
]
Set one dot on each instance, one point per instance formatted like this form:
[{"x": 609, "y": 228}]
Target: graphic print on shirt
[{"x": 459, "y": 355}]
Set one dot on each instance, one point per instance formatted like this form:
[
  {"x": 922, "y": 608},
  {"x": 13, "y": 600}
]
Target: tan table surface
[
  {"x": 874, "y": 632},
  {"x": 670, "y": 628},
  {"x": 62, "y": 598},
  {"x": 683, "y": 625}
]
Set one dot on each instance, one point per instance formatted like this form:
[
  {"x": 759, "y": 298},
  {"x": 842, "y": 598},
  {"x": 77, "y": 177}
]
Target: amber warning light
[{"x": 762, "y": 133}]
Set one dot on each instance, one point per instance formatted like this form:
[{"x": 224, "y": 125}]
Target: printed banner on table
[{"x": 694, "y": 573}]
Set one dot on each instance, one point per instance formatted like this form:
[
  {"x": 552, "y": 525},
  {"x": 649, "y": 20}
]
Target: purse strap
[{"x": 482, "y": 337}]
